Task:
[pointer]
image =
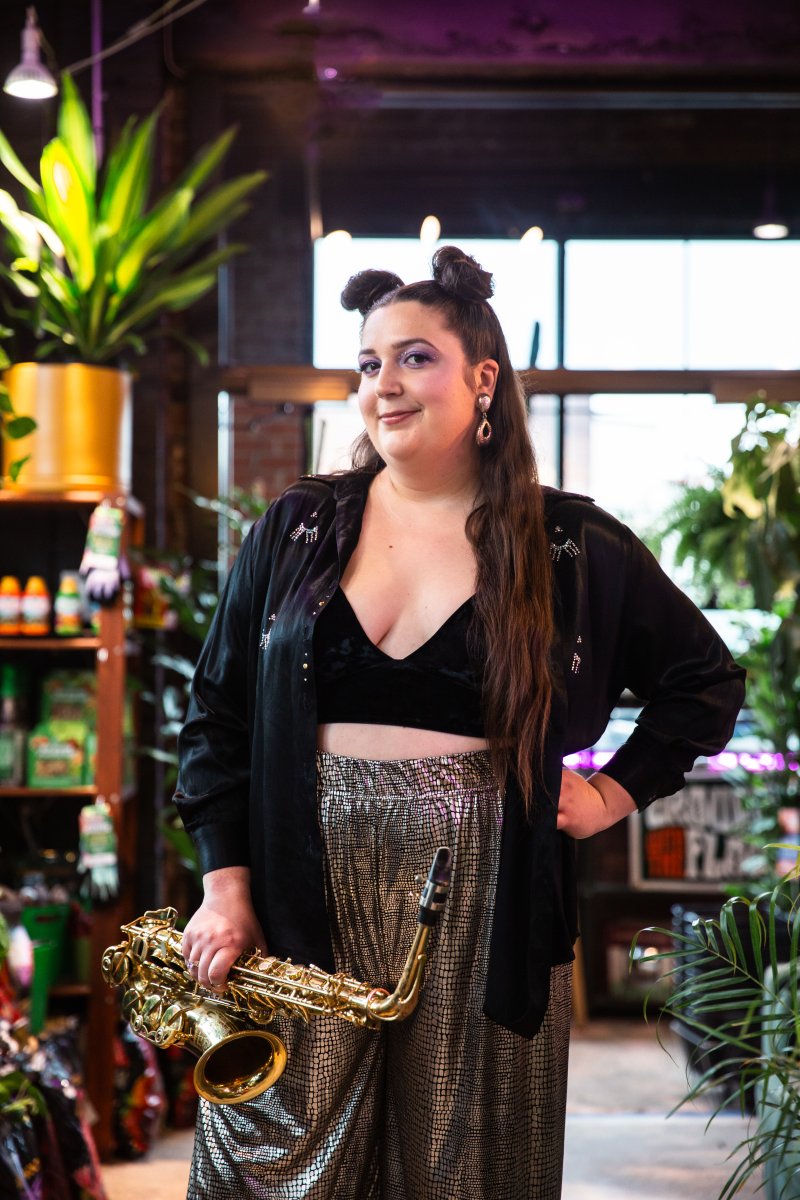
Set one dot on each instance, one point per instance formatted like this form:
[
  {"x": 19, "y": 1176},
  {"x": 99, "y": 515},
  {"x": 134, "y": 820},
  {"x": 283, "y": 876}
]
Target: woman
[{"x": 402, "y": 656}]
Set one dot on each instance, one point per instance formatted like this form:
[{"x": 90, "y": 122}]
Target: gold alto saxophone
[{"x": 166, "y": 1005}]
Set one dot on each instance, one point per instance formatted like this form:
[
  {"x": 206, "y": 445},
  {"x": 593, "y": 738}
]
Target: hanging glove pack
[{"x": 103, "y": 566}]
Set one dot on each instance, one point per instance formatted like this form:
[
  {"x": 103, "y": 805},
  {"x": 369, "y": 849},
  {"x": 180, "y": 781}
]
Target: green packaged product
[
  {"x": 70, "y": 696},
  {"x": 56, "y": 754}
]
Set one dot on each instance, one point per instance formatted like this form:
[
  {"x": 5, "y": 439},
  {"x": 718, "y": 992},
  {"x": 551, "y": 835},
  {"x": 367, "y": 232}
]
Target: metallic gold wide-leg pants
[{"x": 444, "y": 1104}]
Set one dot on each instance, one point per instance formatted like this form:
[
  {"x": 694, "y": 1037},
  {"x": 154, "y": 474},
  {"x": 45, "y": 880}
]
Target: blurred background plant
[
  {"x": 739, "y": 537},
  {"x": 191, "y": 590}
]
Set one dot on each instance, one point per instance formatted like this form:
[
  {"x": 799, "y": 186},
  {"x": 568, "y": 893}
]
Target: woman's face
[{"x": 417, "y": 393}]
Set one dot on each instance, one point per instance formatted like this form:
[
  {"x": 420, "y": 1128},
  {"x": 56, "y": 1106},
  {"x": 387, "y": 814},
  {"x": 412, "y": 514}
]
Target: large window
[
  {"x": 673, "y": 304},
  {"x": 629, "y": 452}
]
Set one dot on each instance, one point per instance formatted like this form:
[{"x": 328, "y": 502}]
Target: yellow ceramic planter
[{"x": 83, "y": 437}]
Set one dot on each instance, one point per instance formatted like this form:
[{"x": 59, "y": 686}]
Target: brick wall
[
  {"x": 268, "y": 446},
  {"x": 265, "y": 296}
]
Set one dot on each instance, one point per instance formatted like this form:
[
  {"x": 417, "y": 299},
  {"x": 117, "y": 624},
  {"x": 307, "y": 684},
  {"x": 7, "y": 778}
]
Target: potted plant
[
  {"x": 92, "y": 267},
  {"x": 736, "y": 987},
  {"x": 734, "y": 1004},
  {"x": 740, "y": 534}
]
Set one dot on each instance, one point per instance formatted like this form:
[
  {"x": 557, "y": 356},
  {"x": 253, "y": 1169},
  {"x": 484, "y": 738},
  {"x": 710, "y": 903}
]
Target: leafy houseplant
[
  {"x": 93, "y": 265},
  {"x": 192, "y": 590},
  {"x": 736, "y": 986},
  {"x": 741, "y": 536}
]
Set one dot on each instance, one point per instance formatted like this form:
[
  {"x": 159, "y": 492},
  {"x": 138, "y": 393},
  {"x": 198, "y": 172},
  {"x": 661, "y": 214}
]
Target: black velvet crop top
[{"x": 434, "y": 687}]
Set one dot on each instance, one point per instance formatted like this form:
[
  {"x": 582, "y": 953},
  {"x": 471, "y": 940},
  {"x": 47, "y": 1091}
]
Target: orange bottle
[
  {"x": 10, "y": 601},
  {"x": 35, "y": 608}
]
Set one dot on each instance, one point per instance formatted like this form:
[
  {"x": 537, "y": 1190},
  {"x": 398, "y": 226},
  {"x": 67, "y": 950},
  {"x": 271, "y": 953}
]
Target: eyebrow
[{"x": 400, "y": 345}]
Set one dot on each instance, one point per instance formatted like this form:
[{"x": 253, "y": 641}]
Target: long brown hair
[{"x": 513, "y": 594}]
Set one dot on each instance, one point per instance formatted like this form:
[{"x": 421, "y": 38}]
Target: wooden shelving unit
[
  {"x": 35, "y": 530},
  {"x": 22, "y": 793}
]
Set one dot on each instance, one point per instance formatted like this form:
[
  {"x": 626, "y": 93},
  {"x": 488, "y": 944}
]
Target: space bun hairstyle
[
  {"x": 512, "y": 630},
  {"x": 363, "y": 291},
  {"x": 460, "y": 276}
]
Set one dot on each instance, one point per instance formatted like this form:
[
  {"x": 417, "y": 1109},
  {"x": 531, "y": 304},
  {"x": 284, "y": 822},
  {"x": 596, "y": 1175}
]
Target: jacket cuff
[
  {"x": 645, "y": 768},
  {"x": 221, "y": 846}
]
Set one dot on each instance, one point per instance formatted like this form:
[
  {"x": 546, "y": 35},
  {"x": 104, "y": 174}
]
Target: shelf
[
  {"x": 128, "y": 792},
  {"x": 48, "y": 530},
  {"x": 86, "y": 789},
  {"x": 89, "y": 642},
  {"x": 11, "y": 496},
  {"x": 71, "y": 989}
]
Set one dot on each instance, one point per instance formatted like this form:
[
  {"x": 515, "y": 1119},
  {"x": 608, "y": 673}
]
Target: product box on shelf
[
  {"x": 57, "y": 754},
  {"x": 70, "y": 695}
]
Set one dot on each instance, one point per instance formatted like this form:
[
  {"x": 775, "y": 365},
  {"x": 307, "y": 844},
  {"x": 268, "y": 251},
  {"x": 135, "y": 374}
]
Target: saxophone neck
[{"x": 403, "y": 999}]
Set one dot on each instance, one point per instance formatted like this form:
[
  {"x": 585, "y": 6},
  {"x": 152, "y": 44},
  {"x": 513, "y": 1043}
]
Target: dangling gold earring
[{"x": 484, "y": 431}]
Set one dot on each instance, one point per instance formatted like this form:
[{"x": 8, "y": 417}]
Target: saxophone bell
[{"x": 237, "y": 1065}]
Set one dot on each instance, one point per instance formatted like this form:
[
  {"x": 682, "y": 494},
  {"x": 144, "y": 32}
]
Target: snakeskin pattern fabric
[{"x": 444, "y": 1104}]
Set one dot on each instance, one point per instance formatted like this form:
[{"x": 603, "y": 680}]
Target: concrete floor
[{"x": 620, "y": 1143}]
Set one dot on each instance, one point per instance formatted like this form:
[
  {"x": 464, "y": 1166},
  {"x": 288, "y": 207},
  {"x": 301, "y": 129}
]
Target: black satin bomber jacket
[{"x": 247, "y": 783}]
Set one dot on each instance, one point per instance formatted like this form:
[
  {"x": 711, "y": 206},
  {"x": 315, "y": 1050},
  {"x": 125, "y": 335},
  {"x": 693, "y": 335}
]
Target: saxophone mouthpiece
[
  {"x": 442, "y": 866},
  {"x": 437, "y": 886}
]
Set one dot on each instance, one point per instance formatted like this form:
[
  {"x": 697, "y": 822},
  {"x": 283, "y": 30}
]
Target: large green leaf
[
  {"x": 211, "y": 262},
  {"x": 59, "y": 285},
  {"x": 177, "y": 295},
  {"x": 127, "y": 180},
  {"x": 69, "y": 210},
  {"x": 21, "y": 228},
  {"x": 75, "y": 131},
  {"x": 26, "y": 287},
  {"x": 157, "y": 230},
  {"x": 48, "y": 235},
  {"x": 13, "y": 165},
  {"x": 206, "y": 161},
  {"x": 207, "y": 212}
]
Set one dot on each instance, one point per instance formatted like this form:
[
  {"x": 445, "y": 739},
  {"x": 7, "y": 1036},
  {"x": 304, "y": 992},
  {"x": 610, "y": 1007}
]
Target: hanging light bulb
[
  {"x": 768, "y": 228},
  {"x": 338, "y": 237},
  {"x": 30, "y": 79},
  {"x": 430, "y": 230},
  {"x": 771, "y": 230},
  {"x": 532, "y": 235}
]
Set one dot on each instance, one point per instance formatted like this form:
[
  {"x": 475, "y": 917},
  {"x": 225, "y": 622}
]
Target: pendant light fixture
[{"x": 30, "y": 79}]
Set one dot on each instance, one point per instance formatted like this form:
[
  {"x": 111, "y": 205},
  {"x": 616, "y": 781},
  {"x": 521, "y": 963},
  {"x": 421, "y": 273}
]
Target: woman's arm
[
  {"x": 642, "y": 634},
  {"x": 671, "y": 658},
  {"x": 587, "y": 806}
]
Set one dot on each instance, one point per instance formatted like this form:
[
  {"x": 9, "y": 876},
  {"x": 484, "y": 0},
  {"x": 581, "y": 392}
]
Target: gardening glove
[{"x": 103, "y": 566}]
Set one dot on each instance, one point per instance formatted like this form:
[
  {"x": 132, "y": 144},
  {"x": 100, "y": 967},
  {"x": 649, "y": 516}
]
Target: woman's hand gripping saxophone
[{"x": 223, "y": 927}]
